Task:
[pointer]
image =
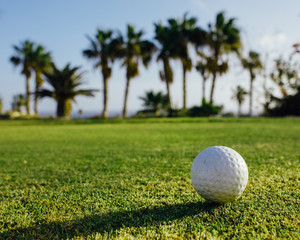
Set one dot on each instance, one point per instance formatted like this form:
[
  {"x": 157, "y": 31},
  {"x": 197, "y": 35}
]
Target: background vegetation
[{"x": 208, "y": 50}]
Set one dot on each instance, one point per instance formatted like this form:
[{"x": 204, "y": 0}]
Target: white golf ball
[{"x": 219, "y": 174}]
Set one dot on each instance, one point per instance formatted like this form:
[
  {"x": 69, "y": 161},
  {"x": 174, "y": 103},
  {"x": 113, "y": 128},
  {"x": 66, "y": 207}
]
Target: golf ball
[{"x": 219, "y": 174}]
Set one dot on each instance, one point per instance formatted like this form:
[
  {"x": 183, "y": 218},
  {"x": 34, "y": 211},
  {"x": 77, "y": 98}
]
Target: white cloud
[
  {"x": 272, "y": 41},
  {"x": 199, "y": 3}
]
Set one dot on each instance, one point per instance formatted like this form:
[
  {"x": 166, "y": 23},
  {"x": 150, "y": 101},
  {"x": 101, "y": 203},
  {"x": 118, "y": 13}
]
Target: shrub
[
  {"x": 205, "y": 110},
  {"x": 287, "y": 106}
]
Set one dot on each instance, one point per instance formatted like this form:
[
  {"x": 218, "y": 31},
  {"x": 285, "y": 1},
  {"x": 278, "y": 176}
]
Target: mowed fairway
[{"x": 117, "y": 179}]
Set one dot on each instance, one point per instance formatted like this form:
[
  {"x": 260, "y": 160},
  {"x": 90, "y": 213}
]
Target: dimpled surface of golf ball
[{"x": 219, "y": 174}]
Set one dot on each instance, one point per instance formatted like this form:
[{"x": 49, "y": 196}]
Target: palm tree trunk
[
  {"x": 203, "y": 91},
  {"x": 105, "y": 98},
  {"x": 169, "y": 93},
  {"x": 250, "y": 96},
  {"x": 184, "y": 87},
  {"x": 64, "y": 108},
  {"x": 38, "y": 84},
  {"x": 126, "y": 97},
  {"x": 36, "y": 104},
  {"x": 60, "y": 108},
  {"x": 36, "y": 99},
  {"x": 239, "y": 109},
  {"x": 212, "y": 87},
  {"x": 157, "y": 112},
  {"x": 168, "y": 78},
  {"x": 27, "y": 96}
]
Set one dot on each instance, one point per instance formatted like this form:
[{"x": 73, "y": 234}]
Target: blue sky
[{"x": 267, "y": 26}]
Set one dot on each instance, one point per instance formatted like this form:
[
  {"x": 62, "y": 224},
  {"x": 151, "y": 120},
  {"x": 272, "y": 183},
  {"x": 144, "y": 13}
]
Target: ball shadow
[{"x": 108, "y": 223}]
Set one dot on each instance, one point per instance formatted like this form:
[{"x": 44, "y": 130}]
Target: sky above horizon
[{"x": 267, "y": 26}]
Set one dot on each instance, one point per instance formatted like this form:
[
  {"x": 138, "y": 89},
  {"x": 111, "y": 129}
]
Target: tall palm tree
[
  {"x": 166, "y": 52},
  {"x": 134, "y": 50},
  {"x": 183, "y": 30},
  {"x": 201, "y": 67},
  {"x": 64, "y": 85},
  {"x": 102, "y": 50},
  {"x": 223, "y": 38},
  {"x": 1, "y": 104},
  {"x": 239, "y": 95},
  {"x": 253, "y": 65},
  {"x": 175, "y": 39},
  {"x": 41, "y": 63},
  {"x": 24, "y": 55}
]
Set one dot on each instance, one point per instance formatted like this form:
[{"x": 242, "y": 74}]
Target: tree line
[{"x": 172, "y": 41}]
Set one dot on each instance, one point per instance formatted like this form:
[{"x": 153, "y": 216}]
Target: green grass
[{"x": 131, "y": 179}]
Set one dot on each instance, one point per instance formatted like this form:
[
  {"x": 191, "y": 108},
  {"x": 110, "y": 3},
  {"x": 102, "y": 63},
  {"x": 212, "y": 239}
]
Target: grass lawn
[{"x": 131, "y": 179}]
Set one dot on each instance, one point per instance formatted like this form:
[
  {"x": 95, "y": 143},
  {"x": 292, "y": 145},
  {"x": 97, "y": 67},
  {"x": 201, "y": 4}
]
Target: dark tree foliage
[
  {"x": 155, "y": 104},
  {"x": 65, "y": 85},
  {"x": 205, "y": 110},
  {"x": 286, "y": 76},
  {"x": 287, "y": 106}
]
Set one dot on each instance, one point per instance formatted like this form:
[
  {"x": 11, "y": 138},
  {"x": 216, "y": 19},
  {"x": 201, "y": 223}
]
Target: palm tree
[
  {"x": 239, "y": 95},
  {"x": 102, "y": 50},
  {"x": 183, "y": 31},
  {"x": 174, "y": 40},
  {"x": 253, "y": 65},
  {"x": 64, "y": 85},
  {"x": 134, "y": 49},
  {"x": 41, "y": 63},
  {"x": 223, "y": 38},
  {"x": 1, "y": 104},
  {"x": 166, "y": 51},
  {"x": 19, "y": 101},
  {"x": 24, "y": 56},
  {"x": 155, "y": 101},
  {"x": 201, "y": 67}
]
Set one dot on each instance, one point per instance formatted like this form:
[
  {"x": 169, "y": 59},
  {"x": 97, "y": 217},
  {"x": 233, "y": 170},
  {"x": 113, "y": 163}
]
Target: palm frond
[
  {"x": 15, "y": 60},
  {"x": 45, "y": 93},
  {"x": 65, "y": 83}
]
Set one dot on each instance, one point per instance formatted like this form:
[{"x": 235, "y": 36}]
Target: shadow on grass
[{"x": 108, "y": 223}]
